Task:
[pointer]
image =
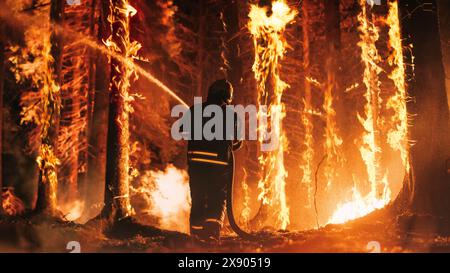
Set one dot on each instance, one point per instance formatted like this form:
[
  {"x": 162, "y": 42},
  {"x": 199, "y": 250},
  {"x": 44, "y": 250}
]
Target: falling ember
[
  {"x": 307, "y": 157},
  {"x": 370, "y": 149},
  {"x": 12, "y": 205},
  {"x": 167, "y": 197},
  {"x": 270, "y": 45},
  {"x": 398, "y": 135}
]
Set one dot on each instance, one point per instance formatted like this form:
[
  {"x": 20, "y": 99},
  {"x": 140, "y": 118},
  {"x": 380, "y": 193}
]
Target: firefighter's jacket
[{"x": 216, "y": 151}]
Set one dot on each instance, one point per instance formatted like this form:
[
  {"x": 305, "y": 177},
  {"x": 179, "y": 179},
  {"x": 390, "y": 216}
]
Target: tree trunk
[
  {"x": 333, "y": 37},
  {"x": 46, "y": 200},
  {"x": 117, "y": 202},
  {"x": 332, "y": 94},
  {"x": 308, "y": 152},
  {"x": 83, "y": 177},
  {"x": 426, "y": 189},
  {"x": 99, "y": 121}
]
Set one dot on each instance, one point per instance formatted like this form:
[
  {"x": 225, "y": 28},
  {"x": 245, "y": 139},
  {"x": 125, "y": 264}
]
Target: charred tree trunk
[
  {"x": 426, "y": 188},
  {"x": 117, "y": 202},
  {"x": 46, "y": 199},
  {"x": 99, "y": 125}
]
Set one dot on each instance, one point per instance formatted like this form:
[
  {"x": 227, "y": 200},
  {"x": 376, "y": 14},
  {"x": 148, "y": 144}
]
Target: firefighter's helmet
[{"x": 221, "y": 91}]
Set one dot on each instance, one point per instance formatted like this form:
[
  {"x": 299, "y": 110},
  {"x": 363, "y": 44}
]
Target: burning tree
[
  {"x": 40, "y": 61},
  {"x": 293, "y": 67},
  {"x": 117, "y": 199},
  {"x": 267, "y": 27}
]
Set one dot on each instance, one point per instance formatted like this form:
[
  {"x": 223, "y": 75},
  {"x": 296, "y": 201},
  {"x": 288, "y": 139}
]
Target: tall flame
[
  {"x": 270, "y": 45},
  {"x": 370, "y": 149},
  {"x": 398, "y": 135}
]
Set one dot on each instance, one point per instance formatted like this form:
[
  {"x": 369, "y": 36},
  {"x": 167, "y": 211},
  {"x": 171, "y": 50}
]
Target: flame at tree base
[{"x": 361, "y": 205}]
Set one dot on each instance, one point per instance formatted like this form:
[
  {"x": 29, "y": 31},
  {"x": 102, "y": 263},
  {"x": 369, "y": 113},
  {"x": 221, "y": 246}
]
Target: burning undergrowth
[
  {"x": 11, "y": 204},
  {"x": 162, "y": 198}
]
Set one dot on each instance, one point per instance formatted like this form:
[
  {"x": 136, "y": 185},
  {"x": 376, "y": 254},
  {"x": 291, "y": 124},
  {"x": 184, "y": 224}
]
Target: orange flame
[
  {"x": 35, "y": 62},
  {"x": 360, "y": 205},
  {"x": 12, "y": 205},
  {"x": 270, "y": 46},
  {"x": 398, "y": 135},
  {"x": 307, "y": 157},
  {"x": 121, "y": 45},
  {"x": 245, "y": 213},
  {"x": 379, "y": 194}
]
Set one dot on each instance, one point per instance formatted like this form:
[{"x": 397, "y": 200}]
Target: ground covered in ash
[{"x": 37, "y": 234}]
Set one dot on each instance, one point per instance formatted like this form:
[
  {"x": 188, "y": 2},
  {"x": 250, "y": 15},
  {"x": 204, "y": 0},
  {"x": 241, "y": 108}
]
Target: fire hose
[{"x": 234, "y": 226}]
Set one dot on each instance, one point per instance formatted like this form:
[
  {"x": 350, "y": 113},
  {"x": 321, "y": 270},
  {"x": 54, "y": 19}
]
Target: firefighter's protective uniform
[{"x": 211, "y": 169}]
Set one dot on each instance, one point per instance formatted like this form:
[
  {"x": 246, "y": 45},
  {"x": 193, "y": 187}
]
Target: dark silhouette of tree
[
  {"x": 426, "y": 188},
  {"x": 99, "y": 121}
]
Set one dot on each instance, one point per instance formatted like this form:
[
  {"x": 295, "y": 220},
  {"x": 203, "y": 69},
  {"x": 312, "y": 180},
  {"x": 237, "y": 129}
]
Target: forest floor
[{"x": 50, "y": 235}]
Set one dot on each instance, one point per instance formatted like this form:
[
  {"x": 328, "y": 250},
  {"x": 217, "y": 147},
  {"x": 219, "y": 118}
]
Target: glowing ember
[
  {"x": 270, "y": 46},
  {"x": 167, "y": 197},
  {"x": 11, "y": 204}
]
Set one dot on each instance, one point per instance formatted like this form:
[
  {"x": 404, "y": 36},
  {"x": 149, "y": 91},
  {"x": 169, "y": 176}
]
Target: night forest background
[{"x": 187, "y": 45}]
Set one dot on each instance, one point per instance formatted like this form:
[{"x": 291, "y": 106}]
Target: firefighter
[{"x": 211, "y": 166}]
